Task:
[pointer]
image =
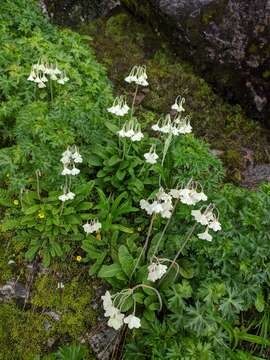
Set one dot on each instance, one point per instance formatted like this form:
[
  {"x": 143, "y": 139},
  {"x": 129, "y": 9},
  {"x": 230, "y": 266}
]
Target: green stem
[
  {"x": 133, "y": 101},
  {"x": 144, "y": 249},
  {"x": 51, "y": 90},
  {"x": 163, "y": 232},
  {"x": 181, "y": 248}
]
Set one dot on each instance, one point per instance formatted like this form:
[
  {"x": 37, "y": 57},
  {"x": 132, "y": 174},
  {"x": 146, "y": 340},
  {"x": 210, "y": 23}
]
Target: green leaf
[
  {"x": 126, "y": 260},
  {"x": 108, "y": 271},
  {"x": 32, "y": 209},
  {"x": 122, "y": 228},
  {"x": 112, "y": 127},
  {"x": 96, "y": 266},
  {"x": 86, "y": 205}
]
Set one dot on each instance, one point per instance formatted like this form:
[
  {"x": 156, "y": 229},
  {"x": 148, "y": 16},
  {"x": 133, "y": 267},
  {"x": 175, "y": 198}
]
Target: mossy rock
[{"x": 122, "y": 41}]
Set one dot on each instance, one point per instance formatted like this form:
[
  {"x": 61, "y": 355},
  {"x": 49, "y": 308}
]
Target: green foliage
[{"x": 31, "y": 126}]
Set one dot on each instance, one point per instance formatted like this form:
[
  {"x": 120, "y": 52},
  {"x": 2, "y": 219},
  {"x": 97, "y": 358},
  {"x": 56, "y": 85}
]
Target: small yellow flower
[
  {"x": 41, "y": 215},
  {"x": 98, "y": 236},
  {"x": 79, "y": 258},
  {"x": 16, "y": 202}
]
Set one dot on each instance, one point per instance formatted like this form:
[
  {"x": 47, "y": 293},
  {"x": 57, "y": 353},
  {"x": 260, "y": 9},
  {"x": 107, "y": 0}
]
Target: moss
[
  {"x": 224, "y": 126},
  {"x": 73, "y": 304},
  {"x": 22, "y": 333}
]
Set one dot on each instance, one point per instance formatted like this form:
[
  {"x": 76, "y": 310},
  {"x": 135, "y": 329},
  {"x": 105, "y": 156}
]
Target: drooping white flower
[
  {"x": 119, "y": 106},
  {"x": 214, "y": 225},
  {"x": 116, "y": 320},
  {"x": 137, "y": 136},
  {"x": 67, "y": 196},
  {"x": 151, "y": 157},
  {"x": 156, "y": 271},
  {"x": 66, "y": 171},
  {"x": 205, "y": 235},
  {"x": 189, "y": 195},
  {"x": 77, "y": 158},
  {"x": 132, "y": 130},
  {"x": 200, "y": 217},
  {"x": 74, "y": 171},
  {"x": 91, "y": 227},
  {"x": 138, "y": 76},
  {"x": 162, "y": 205},
  {"x": 107, "y": 300},
  {"x": 178, "y": 104},
  {"x": 133, "y": 322},
  {"x": 40, "y": 70}
]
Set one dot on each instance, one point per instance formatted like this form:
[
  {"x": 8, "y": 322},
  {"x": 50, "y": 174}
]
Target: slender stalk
[
  {"x": 133, "y": 101},
  {"x": 37, "y": 177},
  {"x": 181, "y": 248},
  {"x": 163, "y": 232},
  {"x": 51, "y": 90},
  {"x": 144, "y": 249}
]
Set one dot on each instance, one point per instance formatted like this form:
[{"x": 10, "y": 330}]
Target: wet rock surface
[{"x": 228, "y": 41}]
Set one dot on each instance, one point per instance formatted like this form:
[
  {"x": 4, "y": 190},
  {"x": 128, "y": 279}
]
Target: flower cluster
[
  {"x": 119, "y": 106},
  {"x": 138, "y": 76},
  {"x": 70, "y": 157},
  {"x": 178, "y": 104},
  {"x": 132, "y": 130},
  {"x": 189, "y": 195},
  {"x": 207, "y": 218},
  {"x": 175, "y": 127},
  {"x": 91, "y": 227},
  {"x": 116, "y": 318},
  {"x": 41, "y": 72},
  {"x": 162, "y": 205}
]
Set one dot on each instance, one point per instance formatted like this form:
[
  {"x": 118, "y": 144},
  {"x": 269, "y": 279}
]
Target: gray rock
[
  {"x": 228, "y": 41},
  {"x": 12, "y": 290},
  {"x": 74, "y": 12}
]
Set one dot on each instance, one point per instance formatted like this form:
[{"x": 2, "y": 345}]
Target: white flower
[
  {"x": 60, "y": 285},
  {"x": 133, "y": 322},
  {"x": 214, "y": 225},
  {"x": 137, "y": 136},
  {"x": 138, "y": 76},
  {"x": 41, "y": 85},
  {"x": 67, "y": 196},
  {"x": 156, "y": 127},
  {"x": 163, "y": 205},
  {"x": 94, "y": 226},
  {"x": 66, "y": 171},
  {"x": 116, "y": 320},
  {"x": 74, "y": 171},
  {"x": 70, "y": 195},
  {"x": 60, "y": 81},
  {"x": 156, "y": 271},
  {"x": 119, "y": 106},
  {"x": 63, "y": 197},
  {"x": 199, "y": 217},
  {"x": 205, "y": 235},
  {"x": 178, "y": 104},
  {"x": 107, "y": 300},
  {"x": 77, "y": 158},
  {"x": 32, "y": 76},
  {"x": 130, "y": 133},
  {"x": 131, "y": 129},
  {"x": 151, "y": 157}
]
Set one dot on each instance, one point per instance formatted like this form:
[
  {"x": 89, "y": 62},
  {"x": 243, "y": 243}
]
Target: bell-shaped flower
[
  {"x": 178, "y": 104},
  {"x": 200, "y": 217},
  {"x": 91, "y": 227},
  {"x": 66, "y": 171},
  {"x": 132, "y": 321},
  {"x": 74, "y": 171},
  {"x": 138, "y": 76},
  {"x": 156, "y": 271},
  {"x": 205, "y": 235},
  {"x": 214, "y": 225},
  {"x": 119, "y": 106},
  {"x": 151, "y": 157},
  {"x": 116, "y": 320}
]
